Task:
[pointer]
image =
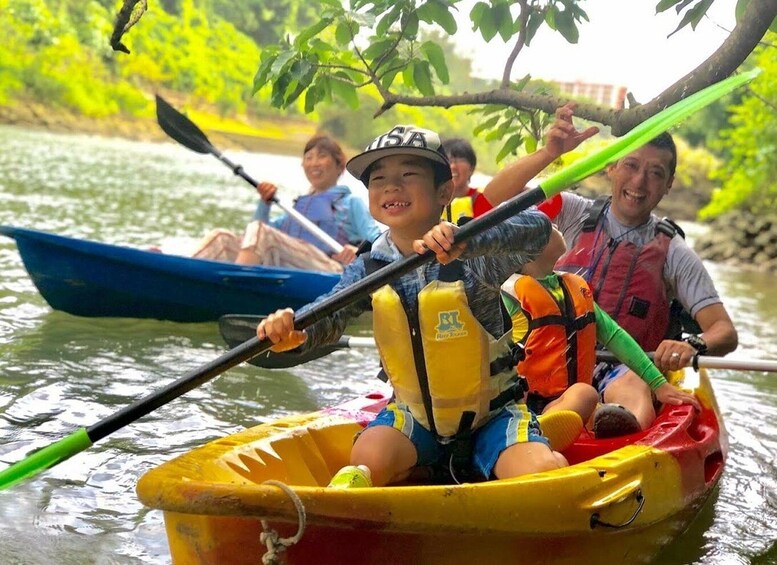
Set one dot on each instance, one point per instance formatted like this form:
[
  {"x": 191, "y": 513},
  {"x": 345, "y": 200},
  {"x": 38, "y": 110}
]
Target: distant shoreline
[{"x": 37, "y": 116}]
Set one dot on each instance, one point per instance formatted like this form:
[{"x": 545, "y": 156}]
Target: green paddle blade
[
  {"x": 643, "y": 133},
  {"x": 42, "y": 459}
]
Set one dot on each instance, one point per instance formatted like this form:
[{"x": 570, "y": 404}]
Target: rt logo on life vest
[{"x": 449, "y": 327}]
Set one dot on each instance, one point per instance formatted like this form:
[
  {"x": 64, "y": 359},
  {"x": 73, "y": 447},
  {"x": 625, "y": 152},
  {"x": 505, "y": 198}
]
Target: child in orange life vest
[
  {"x": 557, "y": 324},
  {"x": 432, "y": 329}
]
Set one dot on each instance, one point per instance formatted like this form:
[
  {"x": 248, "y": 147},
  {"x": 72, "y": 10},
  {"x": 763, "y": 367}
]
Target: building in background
[{"x": 603, "y": 94}]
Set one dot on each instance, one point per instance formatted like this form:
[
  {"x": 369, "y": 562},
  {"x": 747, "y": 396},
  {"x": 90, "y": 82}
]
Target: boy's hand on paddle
[
  {"x": 266, "y": 191},
  {"x": 562, "y": 136},
  {"x": 669, "y": 394},
  {"x": 278, "y": 327},
  {"x": 440, "y": 240},
  {"x": 346, "y": 256}
]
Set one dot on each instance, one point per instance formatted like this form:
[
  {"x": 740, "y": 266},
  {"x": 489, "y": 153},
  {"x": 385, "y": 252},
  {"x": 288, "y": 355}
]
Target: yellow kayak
[{"x": 620, "y": 500}]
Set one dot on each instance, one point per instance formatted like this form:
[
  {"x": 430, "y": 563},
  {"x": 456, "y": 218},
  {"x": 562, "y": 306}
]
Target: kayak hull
[
  {"x": 621, "y": 499},
  {"x": 88, "y": 278}
]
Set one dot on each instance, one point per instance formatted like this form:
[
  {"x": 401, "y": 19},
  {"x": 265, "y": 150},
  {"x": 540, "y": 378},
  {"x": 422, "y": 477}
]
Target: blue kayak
[{"x": 87, "y": 278}]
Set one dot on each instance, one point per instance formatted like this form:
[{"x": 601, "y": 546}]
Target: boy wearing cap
[{"x": 437, "y": 327}]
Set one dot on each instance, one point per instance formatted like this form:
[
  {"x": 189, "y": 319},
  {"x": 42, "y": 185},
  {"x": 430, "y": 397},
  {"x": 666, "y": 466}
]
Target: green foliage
[
  {"x": 265, "y": 20},
  {"x": 57, "y": 52},
  {"x": 747, "y": 177},
  {"x": 703, "y": 128},
  {"x": 398, "y": 46}
]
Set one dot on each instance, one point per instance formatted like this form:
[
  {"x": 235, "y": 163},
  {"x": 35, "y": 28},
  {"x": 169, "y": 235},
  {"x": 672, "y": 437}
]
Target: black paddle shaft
[
  {"x": 186, "y": 132},
  {"x": 324, "y": 309}
]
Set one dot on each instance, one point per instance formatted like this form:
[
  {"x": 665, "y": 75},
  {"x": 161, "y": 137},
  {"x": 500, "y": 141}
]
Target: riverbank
[
  {"x": 741, "y": 239},
  {"x": 283, "y": 136}
]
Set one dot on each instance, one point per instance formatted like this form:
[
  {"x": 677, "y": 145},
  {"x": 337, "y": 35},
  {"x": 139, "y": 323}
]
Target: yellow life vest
[
  {"x": 440, "y": 365},
  {"x": 458, "y": 207}
]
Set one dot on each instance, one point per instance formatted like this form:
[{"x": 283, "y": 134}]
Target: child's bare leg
[
  {"x": 529, "y": 457},
  {"x": 387, "y": 452},
  {"x": 580, "y": 397},
  {"x": 633, "y": 393}
]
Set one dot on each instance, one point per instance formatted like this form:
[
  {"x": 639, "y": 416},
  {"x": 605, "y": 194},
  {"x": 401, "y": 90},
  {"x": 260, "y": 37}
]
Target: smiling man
[{"x": 636, "y": 265}]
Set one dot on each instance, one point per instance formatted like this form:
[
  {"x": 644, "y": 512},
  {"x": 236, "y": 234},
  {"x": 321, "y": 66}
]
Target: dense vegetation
[
  {"x": 205, "y": 53},
  {"x": 57, "y": 51},
  {"x": 747, "y": 175}
]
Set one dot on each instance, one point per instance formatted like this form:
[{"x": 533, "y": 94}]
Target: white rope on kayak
[{"x": 270, "y": 538}]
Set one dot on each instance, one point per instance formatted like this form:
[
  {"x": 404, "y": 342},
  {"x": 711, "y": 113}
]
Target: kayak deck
[{"x": 618, "y": 496}]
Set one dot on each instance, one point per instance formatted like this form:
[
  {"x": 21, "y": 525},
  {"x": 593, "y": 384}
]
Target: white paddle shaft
[{"x": 320, "y": 234}]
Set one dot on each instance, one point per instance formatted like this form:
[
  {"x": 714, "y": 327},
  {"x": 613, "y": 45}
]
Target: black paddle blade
[
  {"x": 181, "y": 128},
  {"x": 238, "y": 328}
]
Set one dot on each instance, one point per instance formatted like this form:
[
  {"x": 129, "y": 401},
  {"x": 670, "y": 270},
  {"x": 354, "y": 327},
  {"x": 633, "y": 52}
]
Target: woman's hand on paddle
[
  {"x": 278, "y": 327},
  {"x": 562, "y": 136},
  {"x": 266, "y": 191},
  {"x": 346, "y": 256},
  {"x": 440, "y": 240},
  {"x": 669, "y": 394}
]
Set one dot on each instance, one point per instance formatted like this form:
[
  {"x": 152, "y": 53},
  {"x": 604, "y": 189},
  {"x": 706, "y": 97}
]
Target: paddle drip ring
[{"x": 270, "y": 538}]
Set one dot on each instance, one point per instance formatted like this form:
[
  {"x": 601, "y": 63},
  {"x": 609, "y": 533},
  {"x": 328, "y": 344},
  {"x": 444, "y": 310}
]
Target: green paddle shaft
[
  {"x": 640, "y": 135},
  {"x": 45, "y": 458},
  {"x": 644, "y": 132}
]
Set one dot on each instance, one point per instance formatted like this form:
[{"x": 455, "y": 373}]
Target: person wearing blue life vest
[{"x": 283, "y": 241}]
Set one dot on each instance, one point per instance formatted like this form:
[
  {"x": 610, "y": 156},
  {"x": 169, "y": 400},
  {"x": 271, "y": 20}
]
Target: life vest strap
[
  {"x": 514, "y": 393},
  {"x": 557, "y": 320},
  {"x": 595, "y": 212}
]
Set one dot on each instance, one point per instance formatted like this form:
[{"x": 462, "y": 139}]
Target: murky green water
[{"x": 59, "y": 372}]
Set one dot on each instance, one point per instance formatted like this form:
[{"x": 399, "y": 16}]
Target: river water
[{"x": 60, "y": 372}]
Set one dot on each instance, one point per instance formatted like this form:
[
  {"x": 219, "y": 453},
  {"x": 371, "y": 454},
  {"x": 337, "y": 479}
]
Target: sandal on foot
[{"x": 613, "y": 420}]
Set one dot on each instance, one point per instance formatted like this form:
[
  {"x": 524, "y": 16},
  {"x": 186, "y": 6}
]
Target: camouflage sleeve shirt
[{"x": 488, "y": 260}]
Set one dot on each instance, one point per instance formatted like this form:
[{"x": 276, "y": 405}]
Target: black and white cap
[{"x": 400, "y": 140}]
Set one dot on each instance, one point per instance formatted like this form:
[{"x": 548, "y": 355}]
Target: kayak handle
[{"x": 597, "y": 521}]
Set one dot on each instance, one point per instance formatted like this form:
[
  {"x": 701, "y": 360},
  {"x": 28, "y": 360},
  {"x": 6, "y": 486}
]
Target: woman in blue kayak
[{"x": 284, "y": 241}]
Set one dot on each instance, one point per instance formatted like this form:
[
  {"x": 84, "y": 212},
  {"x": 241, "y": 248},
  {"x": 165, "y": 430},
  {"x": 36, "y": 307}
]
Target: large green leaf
[
  {"x": 565, "y": 22},
  {"x": 693, "y": 15},
  {"x": 265, "y": 64},
  {"x": 410, "y": 25},
  {"x": 422, "y": 76},
  {"x": 378, "y": 48},
  {"x": 488, "y": 124},
  {"x": 504, "y": 21},
  {"x": 312, "y": 97},
  {"x": 664, "y": 5},
  {"x": 488, "y": 25},
  {"x": 311, "y": 31},
  {"x": 387, "y": 20},
  {"x": 281, "y": 61},
  {"x": 476, "y": 14},
  {"x": 510, "y": 146},
  {"x": 435, "y": 11},
  {"x": 345, "y": 91},
  {"x": 345, "y": 32},
  {"x": 435, "y": 55}
]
